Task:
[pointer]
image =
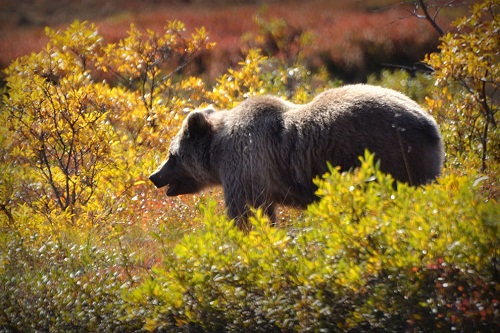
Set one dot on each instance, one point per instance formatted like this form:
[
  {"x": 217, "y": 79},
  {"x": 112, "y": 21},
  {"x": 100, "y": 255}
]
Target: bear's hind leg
[{"x": 270, "y": 210}]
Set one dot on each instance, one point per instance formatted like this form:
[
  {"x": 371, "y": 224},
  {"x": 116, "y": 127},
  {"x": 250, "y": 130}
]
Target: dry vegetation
[{"x": 350, "y": 38}]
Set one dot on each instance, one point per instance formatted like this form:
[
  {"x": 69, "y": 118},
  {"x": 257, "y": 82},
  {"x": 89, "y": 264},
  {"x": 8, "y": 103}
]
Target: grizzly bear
[{"x": 267, "y": 151}]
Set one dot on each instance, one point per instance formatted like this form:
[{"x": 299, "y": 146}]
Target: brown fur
[{"x": 266, "y": 151}]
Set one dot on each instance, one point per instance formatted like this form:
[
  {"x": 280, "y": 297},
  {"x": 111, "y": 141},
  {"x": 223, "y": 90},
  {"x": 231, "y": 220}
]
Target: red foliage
[{"x": 349, "y": 36}]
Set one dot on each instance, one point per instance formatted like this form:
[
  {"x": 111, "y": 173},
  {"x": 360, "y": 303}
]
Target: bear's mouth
[{"x": 171, "y": 191}]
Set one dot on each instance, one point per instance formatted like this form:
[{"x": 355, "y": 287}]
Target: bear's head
[{"x": 186, "y": 170}]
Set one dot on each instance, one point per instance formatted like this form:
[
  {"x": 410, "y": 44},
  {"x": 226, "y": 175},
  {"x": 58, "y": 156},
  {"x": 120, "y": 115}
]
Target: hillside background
[{"x": 350, "y": 38}]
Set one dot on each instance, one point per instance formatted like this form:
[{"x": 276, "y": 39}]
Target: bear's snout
[{"x": 158, "y": 178}]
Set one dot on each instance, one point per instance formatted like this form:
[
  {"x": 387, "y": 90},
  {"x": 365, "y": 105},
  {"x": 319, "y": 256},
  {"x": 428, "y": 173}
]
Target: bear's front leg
[
  {"x": 234, "y": 198},
  {"x": 237, "y": 209},
  {"x": 241, "y": 215},
  {"x": 239, "y": 204}
]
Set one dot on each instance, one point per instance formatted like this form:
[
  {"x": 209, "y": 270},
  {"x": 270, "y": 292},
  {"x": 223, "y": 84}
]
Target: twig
[{"x": 431, "y": 20}]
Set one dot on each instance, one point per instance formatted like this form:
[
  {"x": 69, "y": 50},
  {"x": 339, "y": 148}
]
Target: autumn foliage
[{"x": 88, "y": 245}]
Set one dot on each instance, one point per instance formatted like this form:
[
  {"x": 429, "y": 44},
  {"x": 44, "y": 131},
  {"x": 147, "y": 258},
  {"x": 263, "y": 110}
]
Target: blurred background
[{"x": 349, "y": 39}]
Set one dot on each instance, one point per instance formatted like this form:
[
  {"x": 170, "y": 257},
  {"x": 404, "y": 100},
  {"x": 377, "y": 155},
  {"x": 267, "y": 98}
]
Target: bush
[
  {"x": 63, "y": 287},
  {"x": 70, "y": 151},
  {"x": 467, "y": 71},
  {"x": 364, "y": 258},
  {"x": 417, "y": 86},
  {"x": 84, "y": 123}
]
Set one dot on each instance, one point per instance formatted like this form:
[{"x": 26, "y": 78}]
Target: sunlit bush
[
  {"x": 287, "y": 48},
  {"x": 366, "y": 257},
  {"x": 417, "y": 86},
  {"x": 84, "y": 122},
  {"x": 76, "y": 144},
  {"x": 467, "y": 72}
]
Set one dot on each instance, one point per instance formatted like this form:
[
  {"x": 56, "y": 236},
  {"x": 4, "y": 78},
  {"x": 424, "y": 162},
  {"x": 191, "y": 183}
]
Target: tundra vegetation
[{"x": 88, "y": 245}]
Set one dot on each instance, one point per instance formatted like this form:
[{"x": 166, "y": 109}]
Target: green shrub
[
  {"x": 366, "y": 257},
  {"x": 417, "y": 86},
  {"x": 63, "y": 287}
]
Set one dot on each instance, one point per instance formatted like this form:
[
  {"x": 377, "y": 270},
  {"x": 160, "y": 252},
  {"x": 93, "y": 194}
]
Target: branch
[
  {"x": 3, "y": 208},
  {"x": 431, "y": 20}
]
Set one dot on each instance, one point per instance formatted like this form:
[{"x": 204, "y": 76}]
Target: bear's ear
[
  {"x": 198, "y": 124},
  {"x": 208, "y": 110}
]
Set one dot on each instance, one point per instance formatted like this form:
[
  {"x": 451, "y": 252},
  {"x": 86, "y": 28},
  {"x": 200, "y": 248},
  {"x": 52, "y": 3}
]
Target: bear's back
[
  {"x": 340, "y": 124},
  {"x": 261, "y": 117},
  {"x": 364, "y": 112},
  {"x": 359, "y": 101}
]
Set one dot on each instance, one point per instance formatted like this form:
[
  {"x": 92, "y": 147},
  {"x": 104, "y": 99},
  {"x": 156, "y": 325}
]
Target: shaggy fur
[{"x": 266, "y": 151}]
